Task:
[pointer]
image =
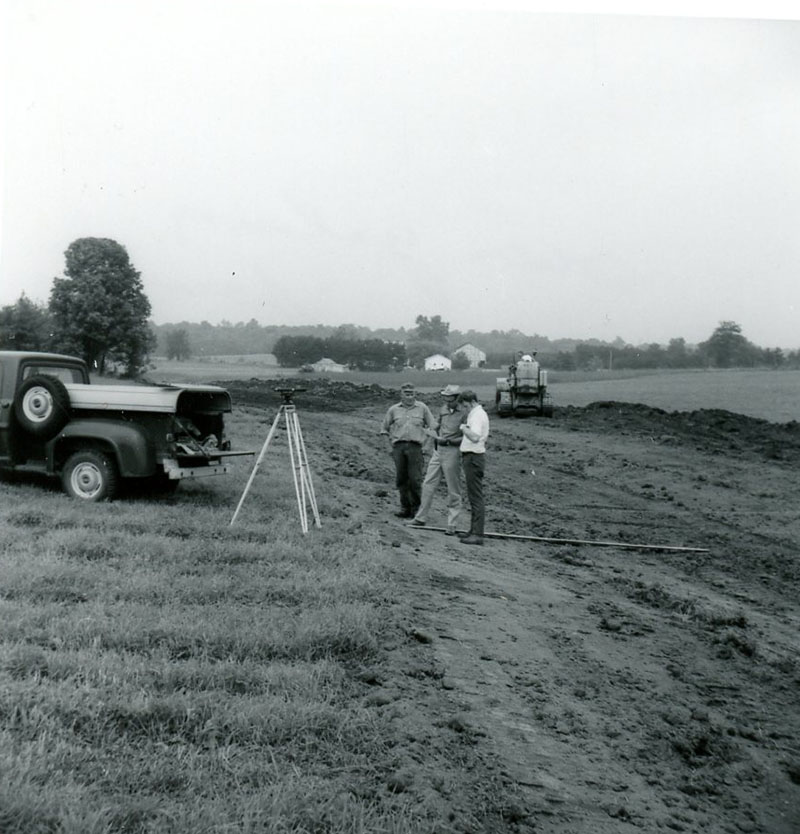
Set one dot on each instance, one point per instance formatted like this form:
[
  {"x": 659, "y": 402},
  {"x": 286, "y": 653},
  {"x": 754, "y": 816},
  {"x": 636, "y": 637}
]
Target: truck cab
[{"x": 54, "y": 421}]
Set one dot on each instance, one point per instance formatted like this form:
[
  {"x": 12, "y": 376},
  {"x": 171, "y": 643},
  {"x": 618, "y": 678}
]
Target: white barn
[
  {"x": 328, "y": 366},
  {"x": 437, "y": 362},
  {"x": 476, "y": 356}
]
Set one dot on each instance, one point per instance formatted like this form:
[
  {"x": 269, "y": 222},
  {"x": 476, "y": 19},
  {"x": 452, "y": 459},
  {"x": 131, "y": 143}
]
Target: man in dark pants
[
  {"x": 475, "y": 431},
  {"x": 408, "y": 424}
]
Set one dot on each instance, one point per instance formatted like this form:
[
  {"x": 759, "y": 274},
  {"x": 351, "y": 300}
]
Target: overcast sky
[{"x": 584, "y": 175}]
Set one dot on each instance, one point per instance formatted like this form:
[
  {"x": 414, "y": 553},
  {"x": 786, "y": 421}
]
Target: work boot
[
  {"x": 415, "y": 522},
  {"x": 450, "y": 531},
  {"x": 471, "y": 539},
  {"x": 405, "y": 514}
]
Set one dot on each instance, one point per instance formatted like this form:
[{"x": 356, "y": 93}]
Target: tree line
[
  {"x": 727, "y": 347},
  {"x": 98, "y": 310},
  {"x": 357, "y": 354},
  {"x": 229, "y": 339}
]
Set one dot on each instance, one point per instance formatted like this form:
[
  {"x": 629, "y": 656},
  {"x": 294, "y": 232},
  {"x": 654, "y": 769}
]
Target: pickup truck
[{"x": 54, "y": 421}]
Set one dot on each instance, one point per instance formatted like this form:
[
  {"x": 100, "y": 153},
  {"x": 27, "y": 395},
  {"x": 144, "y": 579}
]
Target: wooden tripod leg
[
  {"x": 257, "y": 463},
  {"x": 305, "y": 473},
  {"x": 292, "y": 428}
]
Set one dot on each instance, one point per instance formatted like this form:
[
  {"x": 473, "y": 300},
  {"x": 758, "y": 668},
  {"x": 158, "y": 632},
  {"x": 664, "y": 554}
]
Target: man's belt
[{"x": 450, "y": 442}]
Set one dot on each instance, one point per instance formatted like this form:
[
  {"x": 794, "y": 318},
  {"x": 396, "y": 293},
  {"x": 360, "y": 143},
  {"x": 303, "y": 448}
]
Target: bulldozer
[{"x": 524, "y": 391}]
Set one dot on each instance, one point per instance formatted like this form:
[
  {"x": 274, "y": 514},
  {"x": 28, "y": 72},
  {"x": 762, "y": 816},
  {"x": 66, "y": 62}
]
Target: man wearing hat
[
  {"x": 408, "y": 423},
  {"x": 445, "y": 461}
]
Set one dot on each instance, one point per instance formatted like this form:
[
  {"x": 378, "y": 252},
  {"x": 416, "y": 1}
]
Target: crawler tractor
[{"x": 524, "y": 391}]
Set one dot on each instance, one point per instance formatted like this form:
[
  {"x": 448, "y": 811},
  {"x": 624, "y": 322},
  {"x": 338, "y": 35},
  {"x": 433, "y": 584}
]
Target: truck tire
[
  {"x": 42, "y": 406},
  {"x": 90, "y": 476}
]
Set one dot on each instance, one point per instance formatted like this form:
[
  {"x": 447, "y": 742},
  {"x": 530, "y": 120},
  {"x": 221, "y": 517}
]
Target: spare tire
[{"x": 42, "y": 406}]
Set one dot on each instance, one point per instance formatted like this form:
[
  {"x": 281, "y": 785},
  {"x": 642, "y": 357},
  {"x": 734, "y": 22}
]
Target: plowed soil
[{"x": 623, "y": 653}]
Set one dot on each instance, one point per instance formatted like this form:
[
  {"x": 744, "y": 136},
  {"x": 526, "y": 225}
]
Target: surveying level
[
  {"x": 301, "y": 473},
  {"x": 288, "y": 393}
]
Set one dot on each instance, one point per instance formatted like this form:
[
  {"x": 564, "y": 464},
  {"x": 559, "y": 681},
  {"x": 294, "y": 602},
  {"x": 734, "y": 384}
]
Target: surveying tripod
[{"x": 303, "y": 486}]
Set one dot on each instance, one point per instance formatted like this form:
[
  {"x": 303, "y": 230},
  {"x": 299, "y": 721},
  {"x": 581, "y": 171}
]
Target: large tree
[
  {"x": 428, "y": 337},
  {"x": 99, "y": 309},
  {"x": 728, "y": 348},
  {"x": 432, "y": 329}
]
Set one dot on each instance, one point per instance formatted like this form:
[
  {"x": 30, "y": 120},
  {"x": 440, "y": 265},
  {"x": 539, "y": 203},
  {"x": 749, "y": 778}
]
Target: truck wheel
[
  {"x": 42, "y": 406},
  {"x": 90, "y": 476}
]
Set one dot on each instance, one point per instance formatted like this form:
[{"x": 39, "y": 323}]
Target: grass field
[
  {"x": 163, "y": 671},
  {"x": 769, "y": 395}
]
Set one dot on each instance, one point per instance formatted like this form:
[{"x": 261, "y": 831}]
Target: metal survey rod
[{"x": 622, "y": 545}]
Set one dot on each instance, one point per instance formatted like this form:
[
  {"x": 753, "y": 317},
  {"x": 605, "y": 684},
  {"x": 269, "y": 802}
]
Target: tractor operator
[{"x": 409, "y": 424}]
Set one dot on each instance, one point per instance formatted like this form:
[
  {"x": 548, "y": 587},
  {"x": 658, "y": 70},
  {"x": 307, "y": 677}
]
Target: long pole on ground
[{"x": 621, "y": 545}]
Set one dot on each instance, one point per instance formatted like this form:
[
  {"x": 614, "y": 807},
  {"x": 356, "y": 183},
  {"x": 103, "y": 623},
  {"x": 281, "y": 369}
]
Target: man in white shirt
[{"x": 474, "y": 432}]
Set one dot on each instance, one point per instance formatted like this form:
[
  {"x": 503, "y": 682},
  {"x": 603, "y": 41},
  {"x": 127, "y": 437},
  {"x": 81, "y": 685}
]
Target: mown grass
[{"x": 163, "y": 671}]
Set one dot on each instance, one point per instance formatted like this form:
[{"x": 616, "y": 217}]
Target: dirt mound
[
  {"x": 711, "y": 430},
  {"x": 311, "y": 394}
]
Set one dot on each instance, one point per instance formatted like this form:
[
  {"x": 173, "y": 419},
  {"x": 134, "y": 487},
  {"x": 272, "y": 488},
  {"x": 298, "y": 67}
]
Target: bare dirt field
[{"x": 647, "y": 683}]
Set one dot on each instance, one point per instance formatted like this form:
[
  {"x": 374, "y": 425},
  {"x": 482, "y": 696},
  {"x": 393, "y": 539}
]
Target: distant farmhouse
[
  {"x": 476, "y": 356},
  {"x": 437, "y": 362},
  {"x": 328, "y": 366}
]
